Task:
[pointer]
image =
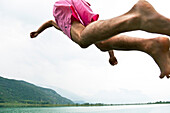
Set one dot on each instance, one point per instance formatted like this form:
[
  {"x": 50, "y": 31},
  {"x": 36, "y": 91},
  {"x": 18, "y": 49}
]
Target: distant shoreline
[{"x": 72, "y": 105}]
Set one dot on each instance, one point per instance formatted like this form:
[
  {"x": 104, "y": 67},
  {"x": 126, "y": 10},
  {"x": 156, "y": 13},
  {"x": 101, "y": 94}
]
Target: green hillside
[{"x": 14, "y": 91}]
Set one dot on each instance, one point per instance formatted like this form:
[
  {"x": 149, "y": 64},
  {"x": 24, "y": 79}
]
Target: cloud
[
  {"x": 120, "y": 96},
  {"x": 29, "y": 11}
]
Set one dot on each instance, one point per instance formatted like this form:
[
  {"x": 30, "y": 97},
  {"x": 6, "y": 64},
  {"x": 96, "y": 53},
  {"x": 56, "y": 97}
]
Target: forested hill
[{"x": 14, "y": 91}]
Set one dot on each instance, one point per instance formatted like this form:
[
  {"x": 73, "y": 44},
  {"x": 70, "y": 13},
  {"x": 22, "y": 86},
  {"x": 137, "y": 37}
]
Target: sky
[{"x": 52, "y": 60}]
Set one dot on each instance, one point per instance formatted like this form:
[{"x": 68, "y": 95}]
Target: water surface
[{"x": 104, "y": 109}]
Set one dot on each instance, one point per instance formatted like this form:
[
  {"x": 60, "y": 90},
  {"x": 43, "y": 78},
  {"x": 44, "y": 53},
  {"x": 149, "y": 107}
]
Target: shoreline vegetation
[
  {"x": 18, "y": 93},
  {"x": 73, "y": 105}
]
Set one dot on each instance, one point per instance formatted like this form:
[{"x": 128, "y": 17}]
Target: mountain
[
  {"x": 24, "y": 92},
  {"x": 68, "y": 94}
]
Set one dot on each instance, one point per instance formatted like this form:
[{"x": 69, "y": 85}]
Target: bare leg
[
  {"x": 44, "y": 26},
  {"x": 157, "y": 48},
  {"x": 141, "y": 17}
]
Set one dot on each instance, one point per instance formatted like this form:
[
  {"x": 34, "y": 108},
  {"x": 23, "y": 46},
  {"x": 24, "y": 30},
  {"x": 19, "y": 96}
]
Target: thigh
[{"x": 76, "y": 29}]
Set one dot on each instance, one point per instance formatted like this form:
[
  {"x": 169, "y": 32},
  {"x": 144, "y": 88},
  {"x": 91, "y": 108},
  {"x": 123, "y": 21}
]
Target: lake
[{"x": 162, "y": 108}]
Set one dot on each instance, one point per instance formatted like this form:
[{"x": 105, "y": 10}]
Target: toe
[
  {"x": 162, "y": 76},
  {"x": 168, "y": 76}
]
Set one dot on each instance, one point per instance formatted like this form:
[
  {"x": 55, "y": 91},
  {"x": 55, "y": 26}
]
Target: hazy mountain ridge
[
  {"x": 68, "y": 94},
  {"x": 20, "y": 91}
]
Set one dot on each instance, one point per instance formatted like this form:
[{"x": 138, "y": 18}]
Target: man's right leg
[{"x": 141, "y": 17}]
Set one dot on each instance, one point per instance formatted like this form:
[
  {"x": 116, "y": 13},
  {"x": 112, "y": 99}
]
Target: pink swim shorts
[{"x": 66, "y": 11}]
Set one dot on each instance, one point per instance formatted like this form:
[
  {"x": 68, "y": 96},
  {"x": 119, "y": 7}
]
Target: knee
[
  {"x": 77, "y": 38},
  {"x": 82, "y": 44}
]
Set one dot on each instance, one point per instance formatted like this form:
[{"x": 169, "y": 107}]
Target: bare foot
[
  {"x": 158, "y": 49},
  {"x": 150, "y": 19},
  {"x": 113, "y": 61}
]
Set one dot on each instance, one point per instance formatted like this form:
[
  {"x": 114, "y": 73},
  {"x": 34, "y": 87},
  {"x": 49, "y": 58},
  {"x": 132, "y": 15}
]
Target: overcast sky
[{"x": 53, "y": 60}]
